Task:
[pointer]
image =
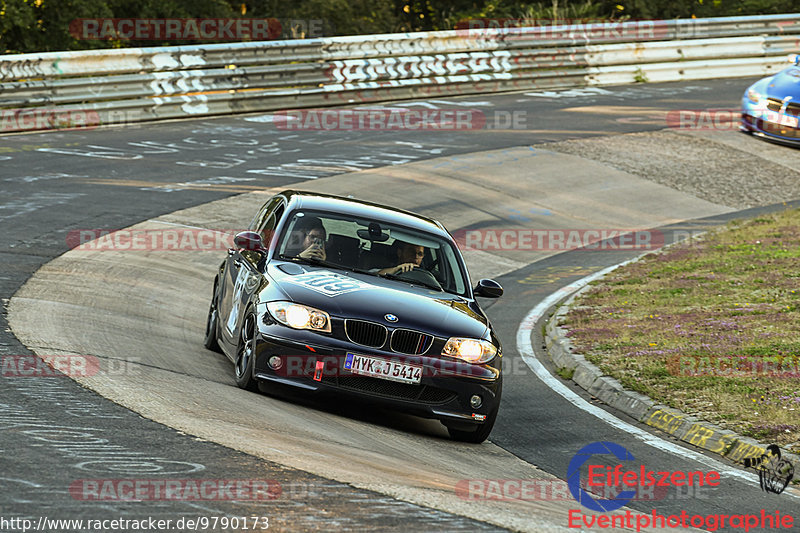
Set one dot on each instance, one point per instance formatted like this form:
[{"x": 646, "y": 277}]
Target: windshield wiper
[
  {"x": 413, "y": 282},
  {"x": 317, "y": 262},
  {"x": 309, "y": 260}
]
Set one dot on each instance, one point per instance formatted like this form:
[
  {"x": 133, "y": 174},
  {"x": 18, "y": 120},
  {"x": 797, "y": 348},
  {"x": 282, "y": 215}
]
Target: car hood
[
  {"x": 785, "y": 83},
  {"x": 348, "y": 294}
]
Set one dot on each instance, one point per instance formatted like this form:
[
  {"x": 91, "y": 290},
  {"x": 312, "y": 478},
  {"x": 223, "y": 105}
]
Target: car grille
[
  {"x": 392, "y": 389},
  {"x": 792, "y": 108},
  {"x": 410, "y": 342},
  {"x": 366, "y": 333},
  {"x": 774, "y": 104}
]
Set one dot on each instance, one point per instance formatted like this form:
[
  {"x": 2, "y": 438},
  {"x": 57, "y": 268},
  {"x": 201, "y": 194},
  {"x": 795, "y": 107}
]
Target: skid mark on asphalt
[
  {"x": 630, "y": 93},
  {"x": 35, "y": 202},
  {"x": 199, "y": 185}
]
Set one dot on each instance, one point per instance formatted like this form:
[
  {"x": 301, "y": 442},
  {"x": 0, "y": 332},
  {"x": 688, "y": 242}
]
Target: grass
[
  {"x": 711, "y": 327},
  {"x": 566, "y": 373}
]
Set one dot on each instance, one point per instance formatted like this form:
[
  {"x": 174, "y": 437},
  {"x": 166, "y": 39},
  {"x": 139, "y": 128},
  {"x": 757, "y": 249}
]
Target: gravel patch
[{"x": 709, "y": 170}]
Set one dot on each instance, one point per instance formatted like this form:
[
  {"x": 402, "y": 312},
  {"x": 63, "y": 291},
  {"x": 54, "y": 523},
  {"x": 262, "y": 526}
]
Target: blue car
[{"x": 771, "y": 106}]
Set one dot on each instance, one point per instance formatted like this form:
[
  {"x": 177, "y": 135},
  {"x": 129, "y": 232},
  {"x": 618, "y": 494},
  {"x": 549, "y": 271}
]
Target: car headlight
[
  {"x": 753, "y": 95},
  {"x": 300, "y": 316},
  {"x": 469, "y": 350}
]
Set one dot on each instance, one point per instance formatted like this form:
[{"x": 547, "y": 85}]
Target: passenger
[
  {"x": 409, "y": 257},
  {"x": 307, "y": 239}
]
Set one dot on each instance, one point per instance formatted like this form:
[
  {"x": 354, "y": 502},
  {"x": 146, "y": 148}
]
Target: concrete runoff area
[
  {"x": 148, "y": 309},
  {"x": 725, "y": 167}
]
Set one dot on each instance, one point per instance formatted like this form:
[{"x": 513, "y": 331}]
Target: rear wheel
[
  {"x": 245, "y": 354},
  {"x": 210, "y": 340}
]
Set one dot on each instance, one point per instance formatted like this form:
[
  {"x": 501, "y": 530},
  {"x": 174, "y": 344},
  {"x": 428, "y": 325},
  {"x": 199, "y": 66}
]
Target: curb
[{"x": 686, "y": 428}]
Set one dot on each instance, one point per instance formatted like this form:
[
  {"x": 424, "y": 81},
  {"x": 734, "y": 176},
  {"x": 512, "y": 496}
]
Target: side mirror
[
  {"x": 488, "y": 288},
  {"x": 249, "y": 240}
]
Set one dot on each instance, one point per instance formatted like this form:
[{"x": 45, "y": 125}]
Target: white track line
[{"x": 525, "y": 349}]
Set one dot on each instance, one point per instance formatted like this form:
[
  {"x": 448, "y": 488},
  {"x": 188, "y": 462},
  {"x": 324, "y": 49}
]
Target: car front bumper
[
  {"x": 771, "y": 125},
  {"x": 444, "y": 391}
]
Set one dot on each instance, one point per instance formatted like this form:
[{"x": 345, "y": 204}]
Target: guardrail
[{"x": 141, "y": 84}]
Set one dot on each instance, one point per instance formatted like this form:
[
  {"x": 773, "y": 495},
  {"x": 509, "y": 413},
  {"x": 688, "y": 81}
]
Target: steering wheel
[{"x": 421, "y": 275}]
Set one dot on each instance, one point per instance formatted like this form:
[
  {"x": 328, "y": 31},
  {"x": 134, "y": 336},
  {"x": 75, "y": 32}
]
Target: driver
[
  {"x": 409, "y": 257},
  {"x": 308, "y": 239}
]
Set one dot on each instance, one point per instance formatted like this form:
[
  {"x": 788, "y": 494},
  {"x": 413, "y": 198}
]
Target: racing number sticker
[
  {"x": 238, "y": 288},
  {"x": 328, "y": 283}
]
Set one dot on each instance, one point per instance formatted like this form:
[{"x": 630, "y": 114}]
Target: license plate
[
  {"x": 783, "y": 120},
  {"x": 376, "y": 367}
]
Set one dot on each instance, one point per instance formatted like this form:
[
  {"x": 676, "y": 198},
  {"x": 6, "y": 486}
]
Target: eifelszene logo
[
  {"x": 614, "y": 477},
  {"x": 605, "y": 476}
]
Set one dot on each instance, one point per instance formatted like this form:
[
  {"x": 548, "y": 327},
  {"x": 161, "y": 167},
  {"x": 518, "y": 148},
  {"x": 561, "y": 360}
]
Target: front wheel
[
  {"x": 212, "y": 320},
  {"x": 478, "y": 435},
  {"x": 481, "y": 432},
  {"x": 246, "y": 353}
]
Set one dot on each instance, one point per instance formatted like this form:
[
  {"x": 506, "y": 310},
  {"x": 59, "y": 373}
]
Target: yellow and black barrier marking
[
  {"x": 743, "y": 450},
  {"x": 709, "y": 438},
  {"x": 665, "y": 421}
]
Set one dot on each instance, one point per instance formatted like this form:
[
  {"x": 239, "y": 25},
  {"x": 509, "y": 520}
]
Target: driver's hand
[
  {"x": 405, "y": 267},
  {"x": 313, "y": 252}
]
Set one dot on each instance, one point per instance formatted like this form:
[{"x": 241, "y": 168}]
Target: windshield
[{"x": 373, "y": 247}]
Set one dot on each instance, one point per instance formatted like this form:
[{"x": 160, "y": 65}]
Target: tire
[
  {"x": 481, "y": 432},
  {"x": 245, "y": 354},
  {"x": 212, "y": 321}
]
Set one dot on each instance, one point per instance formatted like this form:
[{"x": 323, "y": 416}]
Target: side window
[
  {"x": 261, "y": 218},
  {"x": 452, "y": 262},
  {"x": 267, "y": 231}
]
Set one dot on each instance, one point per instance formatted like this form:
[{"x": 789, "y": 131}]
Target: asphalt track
[{"x": 57, "y": 182}]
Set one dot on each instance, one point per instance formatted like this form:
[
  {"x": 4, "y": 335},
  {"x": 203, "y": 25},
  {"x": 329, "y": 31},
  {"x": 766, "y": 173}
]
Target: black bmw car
[{"x": 331, "y": 295}]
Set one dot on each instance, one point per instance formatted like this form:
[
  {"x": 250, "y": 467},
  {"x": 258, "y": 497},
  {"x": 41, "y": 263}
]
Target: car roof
[{"x": 362, "y": 209}]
